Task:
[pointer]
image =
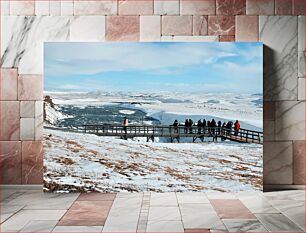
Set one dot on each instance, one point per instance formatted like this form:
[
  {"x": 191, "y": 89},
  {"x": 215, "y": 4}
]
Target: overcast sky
[{"x": 153, "y": 67}]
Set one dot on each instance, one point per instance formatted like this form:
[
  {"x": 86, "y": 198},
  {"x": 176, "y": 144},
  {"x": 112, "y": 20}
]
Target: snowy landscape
[
  {"x": 75, "y": 161},
  {"x": 151, "y": 86}
]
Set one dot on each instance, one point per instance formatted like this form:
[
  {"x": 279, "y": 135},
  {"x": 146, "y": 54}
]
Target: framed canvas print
[{"x": 161, "y": 117}]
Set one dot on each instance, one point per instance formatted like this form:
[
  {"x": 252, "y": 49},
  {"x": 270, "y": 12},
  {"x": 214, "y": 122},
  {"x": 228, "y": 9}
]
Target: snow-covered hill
[
  {"x": 82, "y": 162},
  {"x": 52, "y": 113}
]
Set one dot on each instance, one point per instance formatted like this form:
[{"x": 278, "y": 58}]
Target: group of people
[{"x": 208, "y": 126}]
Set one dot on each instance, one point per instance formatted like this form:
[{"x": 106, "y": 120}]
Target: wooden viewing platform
[{"x": 175, "y": 133}]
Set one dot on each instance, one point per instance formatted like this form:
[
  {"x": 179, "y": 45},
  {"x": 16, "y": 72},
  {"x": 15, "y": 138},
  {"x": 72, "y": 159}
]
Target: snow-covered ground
[{"x": 83, "y": 162}]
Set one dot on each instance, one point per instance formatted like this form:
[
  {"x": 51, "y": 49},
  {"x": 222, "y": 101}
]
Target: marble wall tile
[
  {"x": 283, "y": 7},
  {"x": 106, "y": 7},
  {"x": 30, "y": 87},
  {"x": 227, "y": 38},
  {"x": 301, "y": 46},
  {"x": 246, "y": 28},
  {"x": 5, "y": 7},
  {"x": 27, "y": 129},
  {"x": 22, "y": 7},
  {"x": 122, "y": 28},
  {"x": 22, "y": 40},
  {"x": 38, "y": 128},
  {"x": 269, "y": 131},
  {"x": 32, "y": 162},
  {"x": 221, "y": 25},
  {"x": 150, "y": 28},
  {"x": 200, "y": 25},
  {"x": 176, "y": 25},
  {"x": 277, "y": 163},
  {"x": 260, "y": 7},
  {"x": 203, "y": 7},
  {"x": 87, "y": 28},
  {"x": 299, "y": 162},
  {"x": 230, "y": 7},
  {"x": 9, "y": 120},
  {"x": 298, "y": 7},
  {"x": 39, "y": 109},
  {"x": 39, "y": 120},
  {"x": 10, "y": 162},
  {"x": 8, "y": 84},
  {"x": 42, "y": 7},
  {"x": 301, "y": 89},
  {"x": 290, "y": 120},
  {"x": 55, "y": 7},
  {"x": 190, "y": 38},
  {"x": 66, "y": 7},
  {"x": 269, "y": 110},
  {"x": 166, "y": 7},
  {"x": 279, "y": 35},
  {"x": 27, "y": 109},
  {"x": 135, "y": 7}
]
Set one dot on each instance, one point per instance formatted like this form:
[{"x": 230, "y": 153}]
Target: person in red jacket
[{"x": 237, "y": 127}]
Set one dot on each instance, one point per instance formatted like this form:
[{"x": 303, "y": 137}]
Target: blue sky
[{"x": 154, "y": 67}]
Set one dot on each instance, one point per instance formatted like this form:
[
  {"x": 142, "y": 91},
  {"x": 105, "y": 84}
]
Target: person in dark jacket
[
  {"x": 204, "y": 125},
  {"x": 186, "y": 126},
  {"x": 200, "y": 126},
  {"x": 213, "y": 125},
  {"x": 190, "y": 125},
  {"x": 229, "y": 126},
  {"x": 219, "y": 127},
  {"x": 175, "y": 126}
]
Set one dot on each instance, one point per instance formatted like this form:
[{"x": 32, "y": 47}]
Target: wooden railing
[{"x": 175, "y": 132}]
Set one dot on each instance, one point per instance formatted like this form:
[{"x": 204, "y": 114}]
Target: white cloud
[{"x": 92, "y": 58}]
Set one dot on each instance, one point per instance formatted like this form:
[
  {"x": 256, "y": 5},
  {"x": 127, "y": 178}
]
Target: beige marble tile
[
  {"x": 278, "y": 163},
  {"x": 290, "y": 120},
  {"x": 107, "y": 7},
  {"x": 192, "y": 198},
  {"x": 277, "y": 223},
  {"x": 164, "y": 213},
  {"x": 236, "y": 225},
  {"x": 27, "y": 129},
  {"x": 87, "y": 28},
  {"x": 39, "y": 226},
  {"x": 165, "y": 226},
  {"x": 75, "y": 229},
  {"x": 301, "y": 47},
  {"x": 27, "y": 109},
  {"x": 150, "y": 28},
  {"x": 177, "y": 25},
  {"x": 23, "y": 217},
  {"x": 22, "y": 7},
  {"x": 8, "y": 210},
  {"x": 55, "y": 8},
  {"x": 301, "y": 89},
  {"x": 66, "y": 7},
  {"x": 163, "y": 199},
  {"x": 279, "y": 35},
  {"x": 190, "y": 38},
  {"x": 5, "y": 7},
  {"x": 42, "y": 7},
  {"x": 166, "y": 7}
]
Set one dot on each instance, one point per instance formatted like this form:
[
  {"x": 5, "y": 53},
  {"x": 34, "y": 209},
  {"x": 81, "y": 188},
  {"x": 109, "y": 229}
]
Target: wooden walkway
[{"x": 175, "y": 133}]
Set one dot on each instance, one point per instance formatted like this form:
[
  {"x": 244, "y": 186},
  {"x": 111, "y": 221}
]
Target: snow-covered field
[{"x": 82, "y": 162}]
